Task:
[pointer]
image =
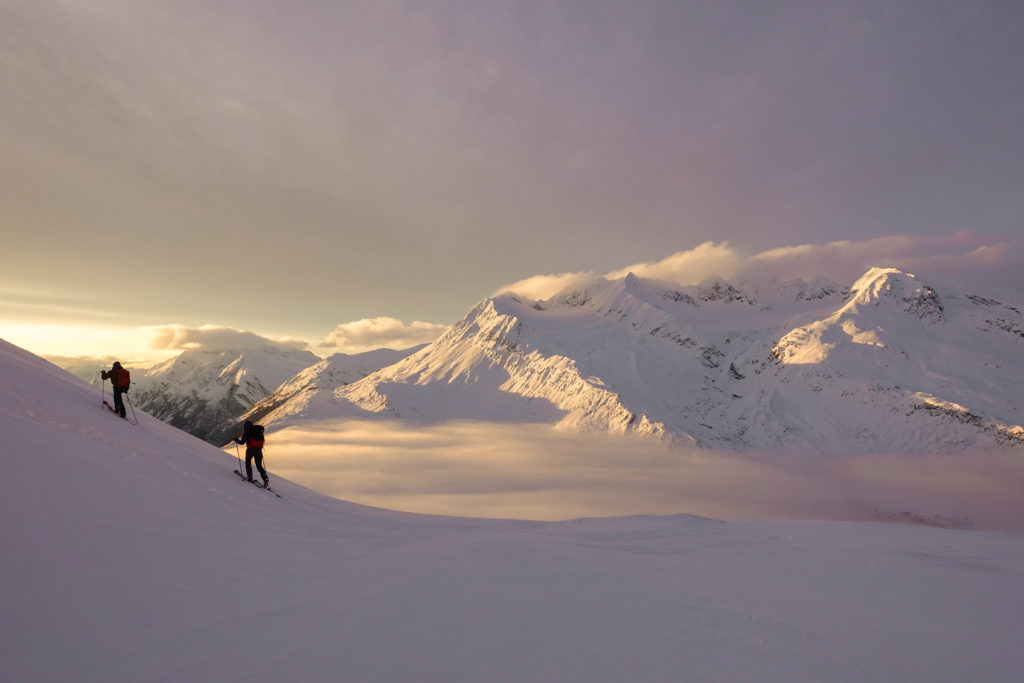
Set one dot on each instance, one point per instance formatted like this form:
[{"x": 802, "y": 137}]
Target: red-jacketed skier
[
  {"x": 120, "y": 379},
  {"x": 252, "y": 437}
]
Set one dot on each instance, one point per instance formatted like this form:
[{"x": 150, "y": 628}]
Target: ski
[
  {"x": 111, "y": 409},
  {"x": 257, "y": 484}
]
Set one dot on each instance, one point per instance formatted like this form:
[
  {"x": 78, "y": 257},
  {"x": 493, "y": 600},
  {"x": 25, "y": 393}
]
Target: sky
[{"x": 345, "y": 175}]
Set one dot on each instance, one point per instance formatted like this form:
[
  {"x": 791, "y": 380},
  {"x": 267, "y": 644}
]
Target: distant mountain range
[
  {"x": 207, "y": 393},
  {"x": 887, "y": 364},
  {"x": 204, "y": 391}
]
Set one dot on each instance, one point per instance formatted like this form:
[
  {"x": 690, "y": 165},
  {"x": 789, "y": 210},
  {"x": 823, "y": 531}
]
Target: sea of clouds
[{"x": 484, "y": 469}]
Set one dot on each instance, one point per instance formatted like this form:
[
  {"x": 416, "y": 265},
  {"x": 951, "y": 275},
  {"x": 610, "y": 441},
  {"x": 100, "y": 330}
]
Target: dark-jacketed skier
[
  {"x": 120, "y": 380},
  {"x": 252, "y": 437}
]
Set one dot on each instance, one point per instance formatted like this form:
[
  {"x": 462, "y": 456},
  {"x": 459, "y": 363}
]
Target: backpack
[
  {"x": 120, "y": 379},
  {"x": 256, "y": 439}
]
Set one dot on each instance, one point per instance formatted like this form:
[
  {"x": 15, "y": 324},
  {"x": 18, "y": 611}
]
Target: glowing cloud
[
  {"x": 212, "y": 337},
  {"x": 381, "y": 332},
  {"x": 960, "y": 254},
  {"x": 543, "y": 286},
  {"x": 689, "y": 267}
]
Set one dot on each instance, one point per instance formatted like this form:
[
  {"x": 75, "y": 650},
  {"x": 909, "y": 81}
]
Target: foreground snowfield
[{"x": 133, "y": 553}]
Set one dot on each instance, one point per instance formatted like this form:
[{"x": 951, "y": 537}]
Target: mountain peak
[
  {"x": 897, "y": 288},
  {"x": 717, "y": 289},
  {"x": 881, "y": 280}
]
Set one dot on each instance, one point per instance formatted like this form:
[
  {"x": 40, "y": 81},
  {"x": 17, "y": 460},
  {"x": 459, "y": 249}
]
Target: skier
[
  {"x": 120, "y": 379},
  {"x": 252, "y": 437}
]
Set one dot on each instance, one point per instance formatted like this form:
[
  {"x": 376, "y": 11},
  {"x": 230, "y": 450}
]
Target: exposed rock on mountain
[{"x": 203, "y": 391}]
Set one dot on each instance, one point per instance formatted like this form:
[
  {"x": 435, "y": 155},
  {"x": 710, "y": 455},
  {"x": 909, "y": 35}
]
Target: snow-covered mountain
[
  {"x": 203, "y": 391},
  {"x": 318, "y": 382},
  {"x": 886, "y": 364},
  {"x": 131, "y": 552}
]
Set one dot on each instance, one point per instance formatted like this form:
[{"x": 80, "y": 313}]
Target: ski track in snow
[{"x": 135, "y": 553}]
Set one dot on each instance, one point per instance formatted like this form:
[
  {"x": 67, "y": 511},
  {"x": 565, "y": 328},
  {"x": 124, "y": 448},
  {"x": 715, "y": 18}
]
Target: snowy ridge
[
  {"x": 203, "y": 391},
  {"x": 786, "y": 364},
  {"x": 318, "y": 381}
]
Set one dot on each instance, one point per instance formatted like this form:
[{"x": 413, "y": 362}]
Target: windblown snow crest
[{"x": 889, "y": 364}]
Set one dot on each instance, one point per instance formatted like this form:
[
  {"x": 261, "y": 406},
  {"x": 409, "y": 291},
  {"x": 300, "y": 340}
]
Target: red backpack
[
  {"x": 120, "y": 379},
  {"x": 256, "y": 439}
]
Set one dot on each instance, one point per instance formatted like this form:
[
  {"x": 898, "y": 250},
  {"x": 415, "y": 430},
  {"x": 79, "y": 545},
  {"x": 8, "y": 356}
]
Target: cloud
[
  {"x": 212, "y": 338},
  {"x": 540, "y": 472},
  {"x": 998, "y": 264},
  {"x": 21, "y": 303},
  {"x": 381, "y": 332},
  {"x": 689, "y": 267},
  {"x": 961, "y": 255},
  {"x": 544, "y": 286}
]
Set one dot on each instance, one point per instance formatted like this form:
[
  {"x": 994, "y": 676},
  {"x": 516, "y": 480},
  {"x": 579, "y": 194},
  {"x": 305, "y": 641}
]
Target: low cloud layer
[
  {"x": 961, "y": 255},
  {"x": 537, "y": 472},
  {"x": 213, "y": 338},
  {"x": 382, "y": 332}
]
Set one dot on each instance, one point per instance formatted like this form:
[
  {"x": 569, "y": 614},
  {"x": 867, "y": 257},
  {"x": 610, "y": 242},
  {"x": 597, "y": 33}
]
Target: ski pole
[
  {"x": 103, "y": 389},
  {"x": 132, "y": 407},
  {"x": 239, "y": 459}
]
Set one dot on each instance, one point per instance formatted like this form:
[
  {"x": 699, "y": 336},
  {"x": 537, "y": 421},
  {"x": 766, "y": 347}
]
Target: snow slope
[
  {"x": 133, "y": 553},
  {"x": 890, "y": 364}
]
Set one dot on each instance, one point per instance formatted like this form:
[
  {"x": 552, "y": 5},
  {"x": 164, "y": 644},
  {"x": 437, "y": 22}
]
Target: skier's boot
[{"x": 266, "y": 483}]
